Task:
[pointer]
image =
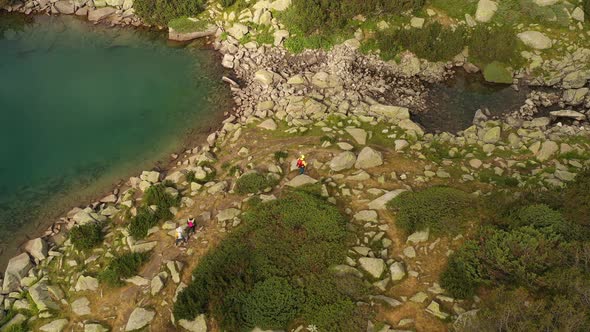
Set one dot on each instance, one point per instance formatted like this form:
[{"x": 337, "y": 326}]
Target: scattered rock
[
  {"x": 397, "y": 271},
  {"x": 418, "y": 237},
  {"x": 368, "y": 158},
  {"x": 535, "y": 39},
  {"x": 86, "y": 284},
  {"x": 17, "y": 268},
  {"x": 199, "y": 324},
  {"x": 301, "y": 180},
  {"x": 139, "y": 318},
  {"x": 485, "y": 10},
  {"x": 55, "y": 326},
  {"x": 374, "y": 266},
  {"x": 268, "y": 124},
  {"x": 379, "y": 203},
  {"x": 344, "y": 160},
  {"x": 434, "y": 309},
  {"x": 81, "y": 306}
]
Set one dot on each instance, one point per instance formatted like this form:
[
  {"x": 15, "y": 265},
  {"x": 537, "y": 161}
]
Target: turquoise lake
[{"x": 85, "y": 106}]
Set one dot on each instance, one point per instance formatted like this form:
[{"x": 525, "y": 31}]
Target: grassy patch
[
  {"x": 442, "y": 209},
  {"x": 122, "y": 267},
  {"x": 254, "y": 183},
  {"x": 272, "y": 272},
  {"x": 496, "y": 72},
  {"x": 146, "y": 217},
  {"x": 185, "y": 25},
  {"x": 494, "y": 43},
  {"x": 162, "y": 12},
  {"x": 86, "y": 236},
  {"x": 456, "y": 8}
]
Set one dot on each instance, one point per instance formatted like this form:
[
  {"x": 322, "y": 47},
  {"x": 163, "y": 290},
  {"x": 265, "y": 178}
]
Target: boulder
[
  {"x": 411, "y": 127},
  {"x": 547, "y": 150},
  {"x": 535, "y": 39},
  {"x": 368, "y": 158},
  {"x": 301, "y": 180},
  {"x": 401, "y": 144},
  {"x": 37, "y": 248},
  {"x": 279, "y": 36},
  {"x": 55, "y": 326},
  {"x": 176, "y": 177},
  {"x": 342, "y": 161},
  {"x": 568, "y": 114},
  {"x": 434, "y": 309},
  {"x": 565, "y": 175},
  {"x": 374, "y": 266},
  {"x": 17, "y": 268},
  {"x": 359, "y": 135},
  {"x": 366, "y": 216},
  {"x": 342, "y": 270},
  {"x": 397, "y": 271},
  {"x": 81, "y": 306},
  {"x": 228, "y": 214},
  {"x": 575, "y": 79},
  {"x": 156, "y": 285},
  {"x": 65, "y": 7},
  {"x": 199, "y": 324},
  {"x": 100, "y": 14},
  {"x": 575, "y": 97},
  {"x": 264, "y": 77},
  {"x": 380, "y": 203},
  {"x": 345, "y": 146},
  {"x": 238, "y": 30},
  {"x": 418, "y": 237},
  {"x": 268, "y": 124},
  {"x": 485, "y": 10},
  {"x": 280, "y": 5},
  {"x": 150, "y": 176},
  {"x": 492, "y": 135},
  {"x": 139, "y": 318},
  {"x": 114, "y": 3},
  {"x": 94, "y": 327},
  {"x": 227, "y": 61},
  {"x": 85, "y": 283},
  {"x": 391, "y": 112},
  {"x": 40, "y": 295},
  {"x": 417, "y": 22},
  {"x": 578, "y": 14}
]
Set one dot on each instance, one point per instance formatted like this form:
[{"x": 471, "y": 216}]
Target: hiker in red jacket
[{"x": 301, "y": 164}]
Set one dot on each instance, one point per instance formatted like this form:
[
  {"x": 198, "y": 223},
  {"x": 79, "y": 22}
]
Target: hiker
[
  {"x": 301, "y": 164},
  {"x": 191, "y": 226},
  {"x": 180, "y": 236}
]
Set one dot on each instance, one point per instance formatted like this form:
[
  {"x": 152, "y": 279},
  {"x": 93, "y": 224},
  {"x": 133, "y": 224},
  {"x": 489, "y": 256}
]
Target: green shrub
[
  {"x": 122, "y": 267},
  {"x": 267, "y": 272},
  {"x": 497, "y": 43},
  {"x": 542, "y": 218},
  {"x": 163, "y": 11},
  {"x": 184, "y": 25},
  {"x": 456, "y": 8},
  {"x": 271, "y": 304},
  {"x": 211, "y": 174},
  {"x": 433, "y": 42},
  {"x": 464, "y": 272},
  {"x": 227, "y": 3},
  {"x": 576, "y": 202},
  {"x": 439, "y": 208},
  {"x": 22, "y": 327},
  {"x": 496, "y": 72},
  {"x": 142, "y": 222},
  {"x": 281, "y": 155},
  {"x": 86, "y": 236},
  {"x": 586, "y": 6},
  {"x": 147, "y": 218},
  {"x": 254, "y": 182}
]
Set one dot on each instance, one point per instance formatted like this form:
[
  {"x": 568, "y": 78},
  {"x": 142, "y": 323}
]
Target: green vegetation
[
  {"x": 86, "y": 236},
  {"x": 586, "y": 6},
  {"x": 122, "y": 267},
  {"x": 433, "y": 42},
  {"x": 534, "y": 254},
  {"x": 513, "y": 12},
  {"x": 146, "y": 217},
  {"x": 186, "y": 25},
  {"x": 493, "y": 43},
  {"x": 495, "y": 72},
  {"x": 281, "y": 155},
  {"x": 22, "y": 327},
  {"x": 442, "y": 209},
  {"x": 272, "y": 271},
  {"x": 254, "y": 183},
  {"x": 456, "y": 8},
  {"x": 163, "y": 11}
]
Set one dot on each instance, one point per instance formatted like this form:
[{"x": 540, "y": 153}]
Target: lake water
[
  {"x": 83, "y": 106},
  {"x": 453, "y": 103}
]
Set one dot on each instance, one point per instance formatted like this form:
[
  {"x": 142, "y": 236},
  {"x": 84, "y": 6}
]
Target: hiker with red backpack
[{"x": 301, "y": 164}]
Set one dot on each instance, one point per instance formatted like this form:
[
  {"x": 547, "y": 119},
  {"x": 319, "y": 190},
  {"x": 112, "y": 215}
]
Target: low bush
[
  {"x": 254, "y": 183},
  {"x": 86, "y": 236},
  {"x": 442, "y": 209},
  {"x": 281, "y": 155},
  {"x": 433, "y": 42},
  {"x": 122, "y": 267},
  {"x": 586, "y": 6},
  {"x": 493, "y": 43},
  {"x": 576, "y": 202},
  {"x": 184, "y": 25},
  {"x": 146, "y": 217},
  {"x": 273, "y": 271},
  {"x": 464, "y": 272},
  {"x": 227, "y": 3},
  {"x": 22, "y": 327},
  {"x": 163, "y": 11}
]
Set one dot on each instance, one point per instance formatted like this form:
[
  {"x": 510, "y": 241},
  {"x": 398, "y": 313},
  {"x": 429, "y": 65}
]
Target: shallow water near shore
[
  {"x": 452, "y": 104},
  {"x": 84, "y": 106}
]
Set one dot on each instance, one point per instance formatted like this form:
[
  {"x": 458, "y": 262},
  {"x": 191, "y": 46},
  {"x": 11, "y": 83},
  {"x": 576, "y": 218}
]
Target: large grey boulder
[
  {"x": 81, "y": 306},
  {"x": 485, "y": 10},
  {"x": 268, "y": 124},
  {"x": 578, "y": 14},
  {"x": 411, "y": 127},
  {"x": 65, "y": 7},
  {"x": 380, "y": 203},
  {"x": 575, "y": 96},
  {"x": 55, "y": 326},
  {"x": 37, "y": 248},
  {"x": 373, "y": 266},
  {"x": 391, "y": 112},
  {"x": 492, "y": 135},
  {"x": 575, "y": 79},
  {"x": 342, "y": 161},
  {"x": 100, "y": 13},
  {"x": 228, "y": 214},
  {"x": 280, "y": 5},
  {"x": 568, "y": 114},
  {"x": 368, "y": 158},
  {"x": 139, "y": 318},
  {"x": 199, "y": 324},
  {"x": 366, "y": 216},
  {"x": 397, "y": 271},
  {"x": 40, "y": 295},
  {"x": 17, "y": 268},
  {"x": 150, "y": 176},
  {"x": 301, "y": 180},
  {"x": 535, "y": 39},
  {"x": 359, "y": 135},
  {"x": 238, "y": 30},
  {"x": 85, "y": 283},
  {"x": 547, "y": 150}
]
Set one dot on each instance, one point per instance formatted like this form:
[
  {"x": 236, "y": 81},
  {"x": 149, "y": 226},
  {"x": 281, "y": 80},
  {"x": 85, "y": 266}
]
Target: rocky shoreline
[{"x": 341, "y": 93}]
